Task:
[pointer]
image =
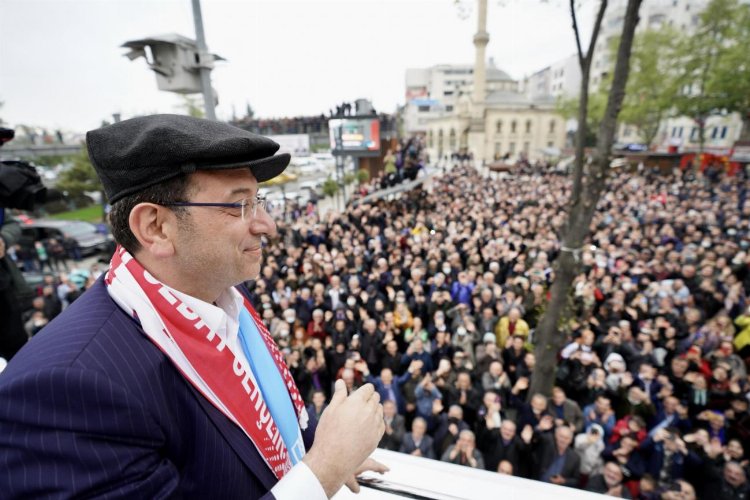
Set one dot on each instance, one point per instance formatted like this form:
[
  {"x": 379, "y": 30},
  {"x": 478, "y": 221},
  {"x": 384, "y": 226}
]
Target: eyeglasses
[{"x": 246, "y": 208}]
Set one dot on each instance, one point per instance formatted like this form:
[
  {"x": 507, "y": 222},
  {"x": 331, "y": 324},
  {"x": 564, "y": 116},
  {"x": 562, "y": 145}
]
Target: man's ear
[{"x": 155, "y": 228}]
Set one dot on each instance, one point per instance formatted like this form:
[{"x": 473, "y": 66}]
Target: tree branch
[
  {"x": 595, "y": 34},
  {"x": 575, "y": 31}
]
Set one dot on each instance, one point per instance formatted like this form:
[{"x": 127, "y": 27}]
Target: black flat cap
[{"x": 134, "y": 154}]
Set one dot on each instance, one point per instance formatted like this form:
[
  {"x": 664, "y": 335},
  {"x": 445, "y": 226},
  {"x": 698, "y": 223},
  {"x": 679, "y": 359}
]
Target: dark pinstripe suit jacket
[{"x": 91, "y": 408}]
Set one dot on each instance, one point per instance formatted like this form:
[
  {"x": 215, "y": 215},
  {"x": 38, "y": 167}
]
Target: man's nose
[{"x": 263, "y": 223}]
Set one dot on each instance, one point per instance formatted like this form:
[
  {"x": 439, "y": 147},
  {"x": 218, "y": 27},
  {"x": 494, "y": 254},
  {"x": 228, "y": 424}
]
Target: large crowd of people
[{"x": 434, "y": 296}]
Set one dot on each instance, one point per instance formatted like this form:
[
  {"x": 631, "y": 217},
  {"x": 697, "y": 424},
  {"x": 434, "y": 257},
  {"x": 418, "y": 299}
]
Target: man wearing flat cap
[{"x": 161, "y": 380}]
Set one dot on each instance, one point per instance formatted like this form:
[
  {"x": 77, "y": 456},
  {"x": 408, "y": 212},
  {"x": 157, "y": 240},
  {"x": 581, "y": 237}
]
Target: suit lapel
[{"x": 238, "y": 441}]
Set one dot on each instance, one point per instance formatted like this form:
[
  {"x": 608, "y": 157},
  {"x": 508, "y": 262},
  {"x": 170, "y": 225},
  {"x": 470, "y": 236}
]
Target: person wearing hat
[{"x": 161, "y": 380}]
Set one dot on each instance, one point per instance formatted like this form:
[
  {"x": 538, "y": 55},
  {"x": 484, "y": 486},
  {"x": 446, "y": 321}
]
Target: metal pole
[
  {"x": 205, "y": 71},
  {"x": 339, "y": 164}
]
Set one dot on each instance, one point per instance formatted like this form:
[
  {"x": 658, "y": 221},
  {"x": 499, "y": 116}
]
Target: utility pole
[
  {"x": 340, "y": 168},
  {"x": 205, "y": 62}
]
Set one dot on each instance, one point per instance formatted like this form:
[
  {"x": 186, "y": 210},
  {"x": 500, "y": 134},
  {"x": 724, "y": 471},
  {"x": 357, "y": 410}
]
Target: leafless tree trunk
[{"x": 584, "y": 197}]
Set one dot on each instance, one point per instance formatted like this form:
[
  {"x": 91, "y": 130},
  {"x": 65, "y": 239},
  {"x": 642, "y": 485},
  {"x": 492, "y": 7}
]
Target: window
[
  {"x": 714, "y": 132},
  {"x": 513, "y": 127},
  {"x": 550, "y": 144},
  {"x": 499, "y": 127},
  {"x": 512, "y": 147},
  {"x": 429, "y": 139},
  {"x": 449, "y": 108},
  {"x": 526, "y": 147},
  {"x": 552, "y": 124},
  {"x": 498, "y": 149},
  {"x": 674, "y": 131},
  {"x": 423, "y": 109},
  {"x": 528, "y": 126},
  {"x": 656, "y": 19},
  {"x": 452, "y": 140},
  {"x": 448, "y": 92},
  {"x": 693, "y": 134},
  {"x": 679, "y": 132},
  {"x": 723, "y": 132},
  {"x": 440, "y": 140}
]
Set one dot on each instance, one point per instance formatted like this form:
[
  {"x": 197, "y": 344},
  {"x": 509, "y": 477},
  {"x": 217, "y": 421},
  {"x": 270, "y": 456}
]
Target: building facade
[
  {"x": 561, "y": 79},
  {"x": 679, "y": 132},
  {"x": 513, "y": 125}
]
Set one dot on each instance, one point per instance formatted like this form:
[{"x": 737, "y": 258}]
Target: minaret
[
  {"x": 476, "y": 137},
  {"x": 481, "y": 39}
]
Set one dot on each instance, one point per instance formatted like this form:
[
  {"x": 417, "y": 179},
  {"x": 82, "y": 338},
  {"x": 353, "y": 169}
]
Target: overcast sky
[{"x": 61, "y": 65}]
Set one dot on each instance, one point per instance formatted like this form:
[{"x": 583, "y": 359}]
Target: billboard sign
[{"x": 355, "y": 136}]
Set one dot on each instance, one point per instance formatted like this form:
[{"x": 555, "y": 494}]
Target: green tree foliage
[
  {"x": 652, "y": 84},
  {"x": 350, "y": 178},
  {"x": 363, "y": 175},
  {"x": 79, "y": 178},
  {"x": 568, "y": 108},
  {"x": 714, "y": 64},
  {"x": 330, "y": 187}
]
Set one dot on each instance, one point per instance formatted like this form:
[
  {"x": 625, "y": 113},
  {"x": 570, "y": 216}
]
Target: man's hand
[
  {"x": 361, "y": 366},
  {"x": 557, "y": 479},
  {"x": 546, "y": 423},
  {"x": 437, "y": 406},
  {"x": 521, "y": 385},
  {"x": 368, "y": 465},
  {"x": 615, "y": 491},
  {"x": 349, "y": 430}
]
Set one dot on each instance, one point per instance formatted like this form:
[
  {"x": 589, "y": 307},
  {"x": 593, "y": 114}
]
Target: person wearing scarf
[{"x": 162, "y": 380}]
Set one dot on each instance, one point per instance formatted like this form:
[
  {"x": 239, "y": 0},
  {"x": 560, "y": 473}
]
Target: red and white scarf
[{"x": 202, "y": 357}]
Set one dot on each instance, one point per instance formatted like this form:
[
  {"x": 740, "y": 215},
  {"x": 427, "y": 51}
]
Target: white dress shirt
[{"x": 223, "y": 318}]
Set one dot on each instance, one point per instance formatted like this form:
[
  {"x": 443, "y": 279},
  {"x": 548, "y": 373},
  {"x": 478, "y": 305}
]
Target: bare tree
[{"x": 585, "y": 192}]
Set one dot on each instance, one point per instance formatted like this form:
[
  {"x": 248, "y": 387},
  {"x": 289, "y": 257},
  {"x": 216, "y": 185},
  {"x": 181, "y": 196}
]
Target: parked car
[{"x": 89, "y": 239}]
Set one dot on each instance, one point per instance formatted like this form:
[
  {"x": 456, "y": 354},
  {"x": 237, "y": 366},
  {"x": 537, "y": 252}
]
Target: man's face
[
  {"x": 507, "y": 430},
  {"x": 318, "y": 399},
  {"x": 612, "y": 474},
  {"x": 392, "y": 347},
  {"x": 418, "y": 346},
  {"x": 538, "y": 404},
  {"x": 602, "y": 405},
  {"x": 558, "y": 396},
  {"x": 464, "y": 440},
  {"x": 216, "y": 249},
  {"x": 418, "y": 428},
  {"x": 389, "y": 409},
  {"x": 734, "y": 475},
  {"x": 670, "y": 405},
  {"x": 563, "y": 438},
  {"x": 679, "y": 367}
]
